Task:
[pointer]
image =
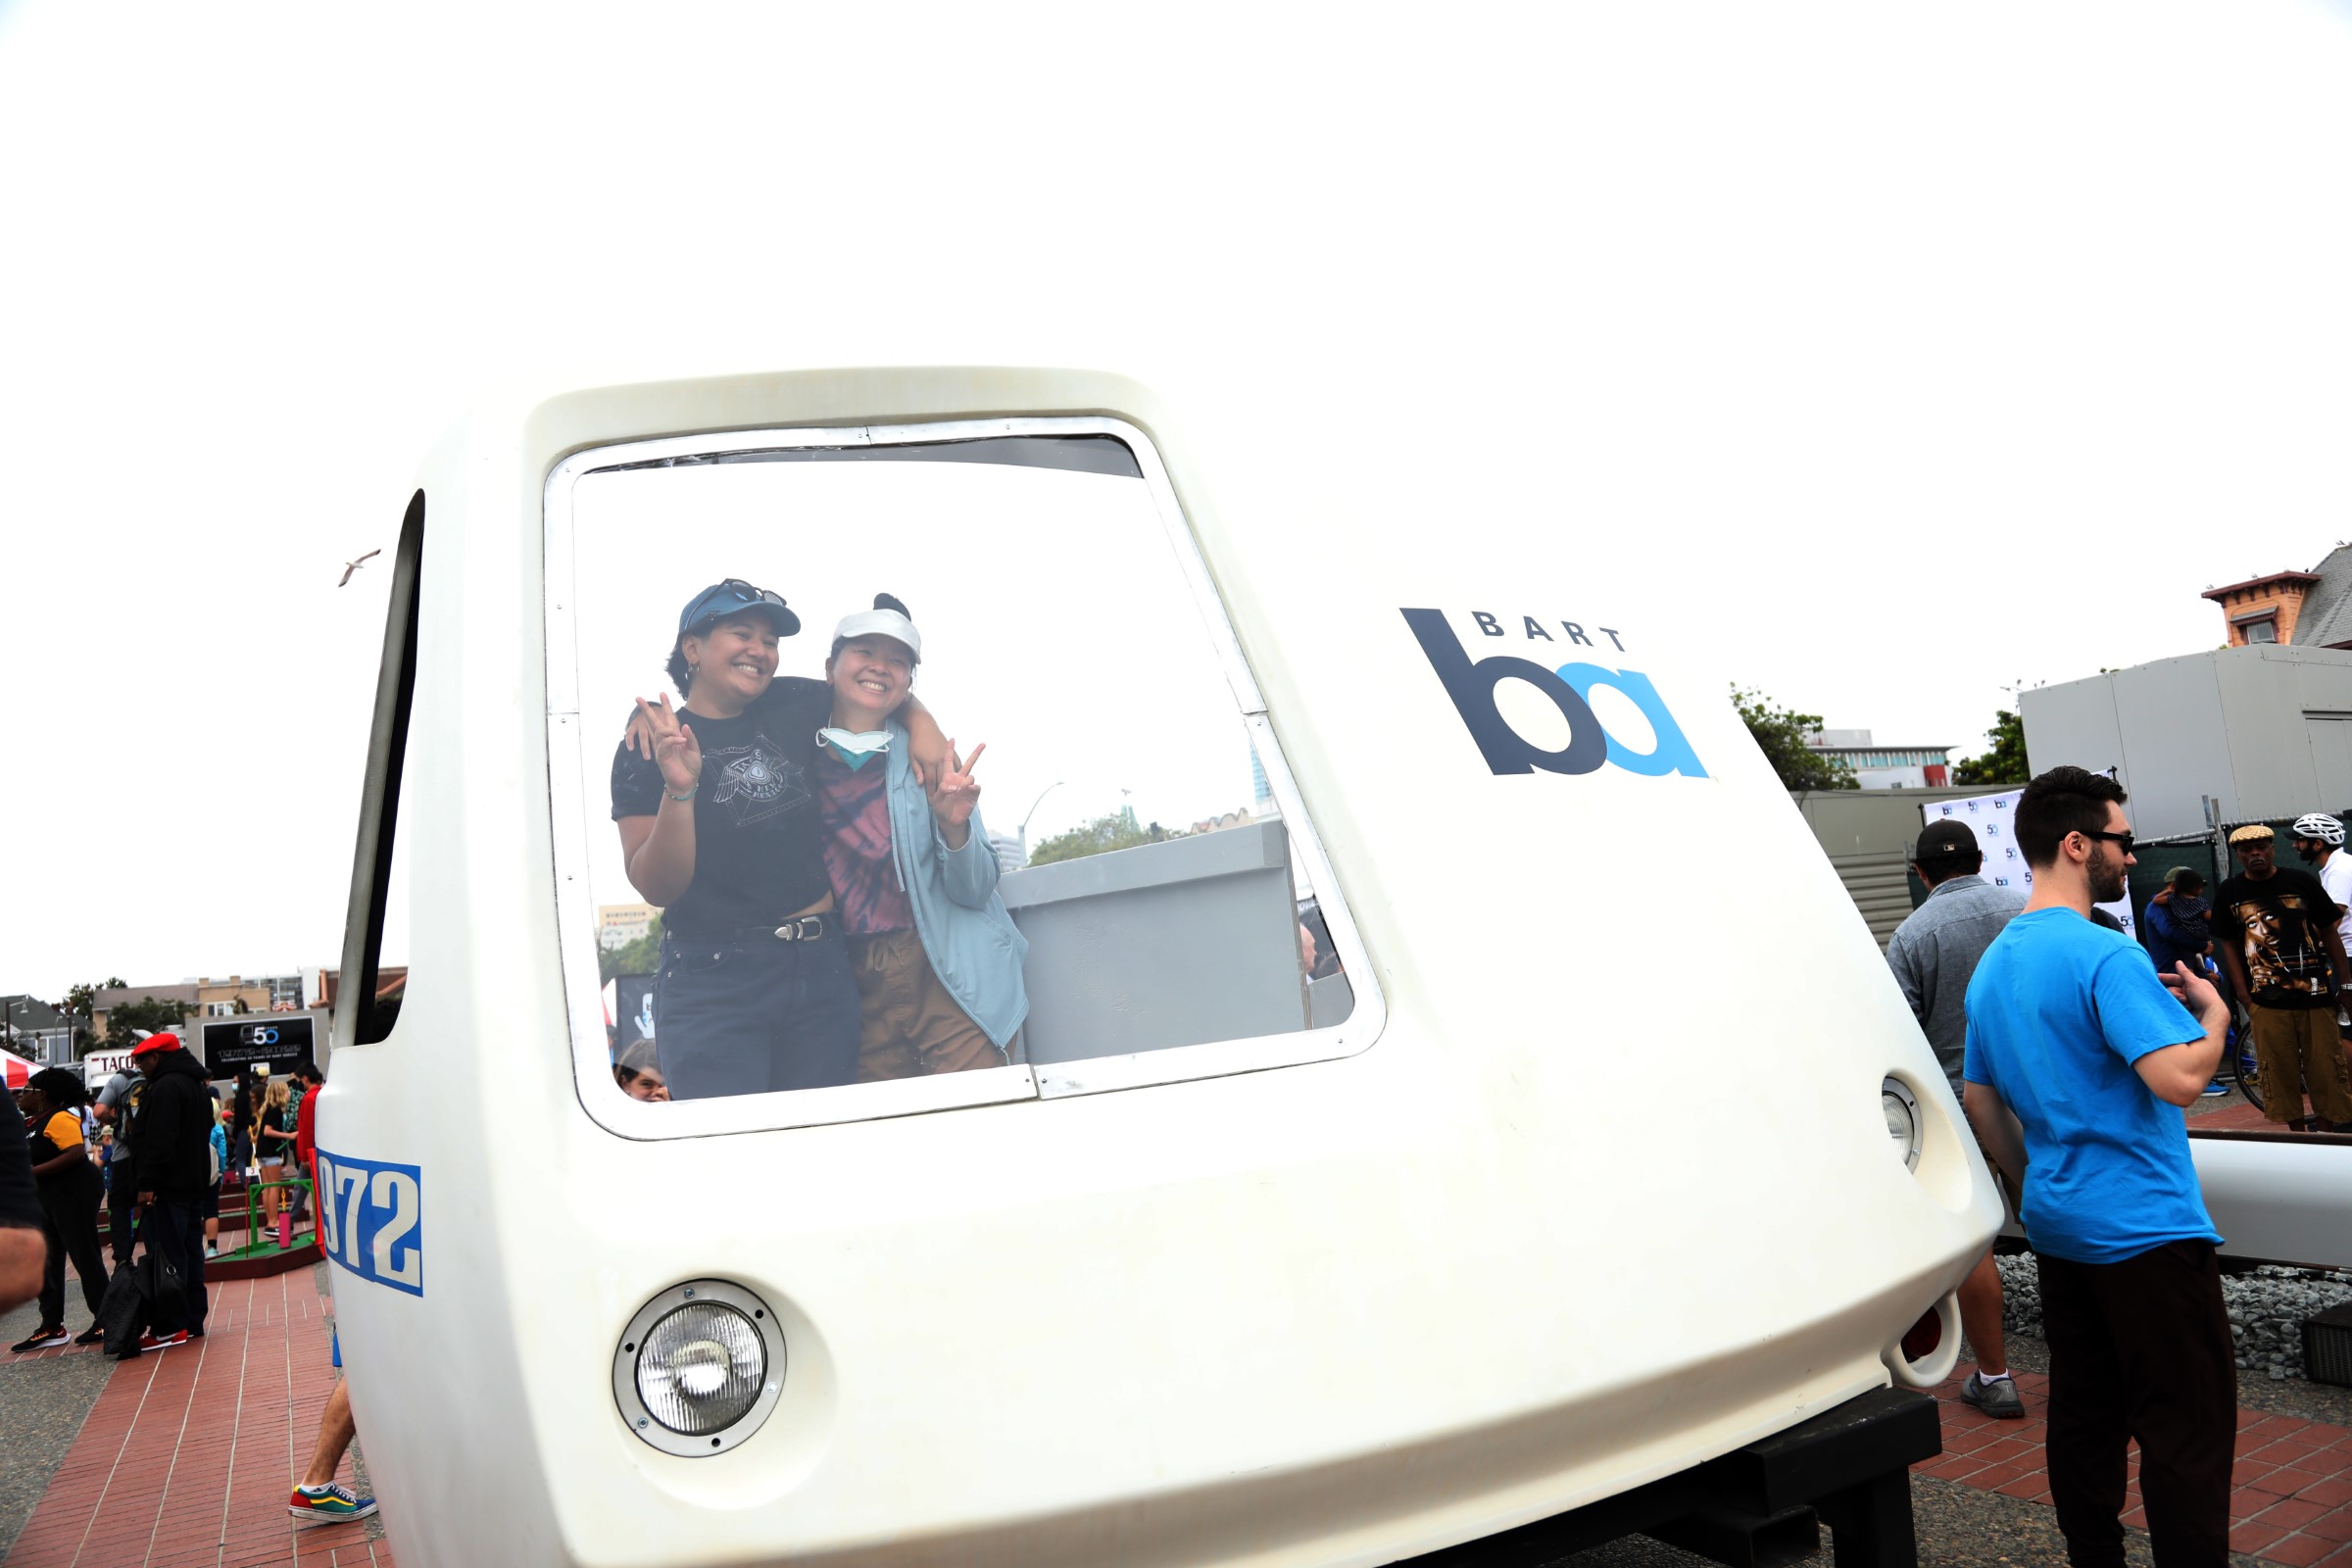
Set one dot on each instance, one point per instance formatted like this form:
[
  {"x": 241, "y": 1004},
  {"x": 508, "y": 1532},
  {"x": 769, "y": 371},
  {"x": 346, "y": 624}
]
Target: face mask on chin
[{"x": 856, "y": 747}]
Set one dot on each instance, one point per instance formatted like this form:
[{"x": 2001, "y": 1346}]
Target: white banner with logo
[{"x": 1993, "y": 819}]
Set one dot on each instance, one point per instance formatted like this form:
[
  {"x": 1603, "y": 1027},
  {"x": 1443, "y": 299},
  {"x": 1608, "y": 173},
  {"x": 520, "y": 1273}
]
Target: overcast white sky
[{"x": 1812, "y": 288}]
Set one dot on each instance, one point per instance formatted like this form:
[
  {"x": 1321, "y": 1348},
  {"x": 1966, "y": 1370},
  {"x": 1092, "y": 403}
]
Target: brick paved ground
[
  {"x": 2291, "y": 1497},
  {"x": 189, "y": 1454}
]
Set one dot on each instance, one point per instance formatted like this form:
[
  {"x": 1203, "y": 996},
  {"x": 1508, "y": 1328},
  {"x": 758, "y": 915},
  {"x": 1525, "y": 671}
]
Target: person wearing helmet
[
  {"x": 2317, "y": 838},
  {"x": 2276, "y": 929}
]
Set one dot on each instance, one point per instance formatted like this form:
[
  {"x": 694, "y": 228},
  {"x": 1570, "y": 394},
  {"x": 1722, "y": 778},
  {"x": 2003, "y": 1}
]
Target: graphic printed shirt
[
  {"x": 858, "y": 850},
  {"x": 2279, "y": 924},
  {"x": 757, "y": 850}
]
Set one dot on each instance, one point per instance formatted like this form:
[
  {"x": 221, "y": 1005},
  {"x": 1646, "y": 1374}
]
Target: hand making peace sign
[
  {"x": 956, "y": 793},
  {"x": 676, "y": 750}
]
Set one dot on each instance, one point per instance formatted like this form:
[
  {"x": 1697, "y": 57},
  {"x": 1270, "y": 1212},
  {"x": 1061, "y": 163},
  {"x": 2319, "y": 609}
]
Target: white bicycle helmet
[{"x": 2319, "y": 825}]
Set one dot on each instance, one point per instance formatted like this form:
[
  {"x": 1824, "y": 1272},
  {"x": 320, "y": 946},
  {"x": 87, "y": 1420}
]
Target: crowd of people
[
  {"x": 2076, "y": 1051},
  {"x": 153, "y": 1150}
]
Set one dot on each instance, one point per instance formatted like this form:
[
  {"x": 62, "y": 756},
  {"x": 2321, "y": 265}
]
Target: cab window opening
[
  {"x": 961, "y": 786},
  {"x": 381, "y": 861}
]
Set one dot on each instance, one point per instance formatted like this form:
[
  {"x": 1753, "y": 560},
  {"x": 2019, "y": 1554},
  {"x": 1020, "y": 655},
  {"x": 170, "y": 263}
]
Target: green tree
[
  {"x": 1117, "y": 830},
  {"x": 76, "y": 1007},
  {"x": 2004, "y": 760},
  {"x": 641, "y": 957},
  {"x": 1780, "y": 735},
  {"x": 122, "y": 1023}
]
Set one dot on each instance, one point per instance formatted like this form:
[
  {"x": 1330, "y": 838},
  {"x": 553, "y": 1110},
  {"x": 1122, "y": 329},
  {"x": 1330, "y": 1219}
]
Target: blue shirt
[{"x": 2058, "y": 1011}]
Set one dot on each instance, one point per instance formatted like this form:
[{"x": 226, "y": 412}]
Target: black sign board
[
  {"x": 632, "y": 1011},
  {"x": 279, "y": 1041}
]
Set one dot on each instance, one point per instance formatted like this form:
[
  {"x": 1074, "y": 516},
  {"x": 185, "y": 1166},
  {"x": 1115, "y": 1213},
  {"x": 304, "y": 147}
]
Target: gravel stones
[{"x": 2267, "y": 1309}]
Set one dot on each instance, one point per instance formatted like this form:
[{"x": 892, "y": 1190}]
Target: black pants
[
  {"x": 121, "y": 1203},
  {"x": 175, "y": 1228},
  {"x": 70, "y": 1218},
  {"x": 744, "y": 1017},
  {"x": 2141, "y": 1350}
]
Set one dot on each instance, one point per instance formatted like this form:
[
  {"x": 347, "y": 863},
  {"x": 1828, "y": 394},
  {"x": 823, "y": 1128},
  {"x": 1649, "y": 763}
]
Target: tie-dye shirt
[{"x": 856, "y": 808}]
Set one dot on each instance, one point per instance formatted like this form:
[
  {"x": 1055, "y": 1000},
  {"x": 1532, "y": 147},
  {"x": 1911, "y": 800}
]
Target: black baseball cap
[{"x": 1949, "y": 840}]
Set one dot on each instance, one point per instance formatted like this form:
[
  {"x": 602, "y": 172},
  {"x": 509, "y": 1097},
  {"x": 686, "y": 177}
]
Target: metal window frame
[{"x": 568, "y": 775}]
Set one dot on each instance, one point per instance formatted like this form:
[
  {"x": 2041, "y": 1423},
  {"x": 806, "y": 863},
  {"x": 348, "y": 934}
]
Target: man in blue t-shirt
[{"x": 2070, "y": 1029}]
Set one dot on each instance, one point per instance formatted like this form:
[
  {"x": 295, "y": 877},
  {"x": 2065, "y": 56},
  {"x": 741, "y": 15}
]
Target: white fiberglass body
[{"x": 1592, "y": 1184}]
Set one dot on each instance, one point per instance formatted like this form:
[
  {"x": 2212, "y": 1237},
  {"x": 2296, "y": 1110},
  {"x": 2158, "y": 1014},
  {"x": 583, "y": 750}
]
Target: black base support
[{"x": 1756, "y": 1507}]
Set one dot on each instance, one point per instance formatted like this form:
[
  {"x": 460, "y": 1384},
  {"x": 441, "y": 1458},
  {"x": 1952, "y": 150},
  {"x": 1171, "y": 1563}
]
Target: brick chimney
[{"x": 2263, "y": 609}]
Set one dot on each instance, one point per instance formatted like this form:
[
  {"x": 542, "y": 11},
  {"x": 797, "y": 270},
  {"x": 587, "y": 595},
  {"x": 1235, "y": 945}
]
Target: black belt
[{"x": 800, "y": 928}]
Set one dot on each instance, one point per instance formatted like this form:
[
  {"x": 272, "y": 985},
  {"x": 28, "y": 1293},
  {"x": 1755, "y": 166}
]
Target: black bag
[
  {"x": 122, "y": 1312},
  {"x": 167, "y": 1292}
]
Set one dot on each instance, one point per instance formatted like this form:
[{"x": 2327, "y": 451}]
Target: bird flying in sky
[{"x": 350, "y": 566}]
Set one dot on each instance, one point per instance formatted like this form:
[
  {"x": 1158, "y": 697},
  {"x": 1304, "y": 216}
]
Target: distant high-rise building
[{"x": 620, "y": 924}]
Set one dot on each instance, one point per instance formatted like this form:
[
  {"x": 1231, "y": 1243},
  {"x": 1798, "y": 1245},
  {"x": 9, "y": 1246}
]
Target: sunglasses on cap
[{"x": 733, "y": 594}]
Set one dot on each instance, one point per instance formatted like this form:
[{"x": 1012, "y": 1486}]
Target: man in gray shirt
[
  {"x": 1933, "y": 955},
  {"x": 115, "y": 1105}
]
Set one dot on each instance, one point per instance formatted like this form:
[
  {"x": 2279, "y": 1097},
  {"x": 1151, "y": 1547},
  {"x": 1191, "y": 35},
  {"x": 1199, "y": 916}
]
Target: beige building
[{"x": 620, "y": 924}]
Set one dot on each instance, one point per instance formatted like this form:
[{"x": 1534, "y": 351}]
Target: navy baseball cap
[{"x": 734, "y": 597}]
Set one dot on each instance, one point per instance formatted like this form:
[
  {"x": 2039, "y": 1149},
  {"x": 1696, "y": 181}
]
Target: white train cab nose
[{"x": 1302, "y": 1114}]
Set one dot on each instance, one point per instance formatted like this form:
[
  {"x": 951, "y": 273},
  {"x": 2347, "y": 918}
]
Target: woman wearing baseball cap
[
  {"x": 936, "y": 958},
  {"x": 721, "y": 829}
]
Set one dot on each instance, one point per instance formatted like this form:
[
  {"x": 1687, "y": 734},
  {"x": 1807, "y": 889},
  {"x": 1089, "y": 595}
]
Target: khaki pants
[
  {"x": 909, "y": 1027},
  {"x": 2295, "y": 1047}
]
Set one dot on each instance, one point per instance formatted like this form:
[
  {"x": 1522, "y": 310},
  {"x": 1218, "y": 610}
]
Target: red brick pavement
[
  {"x": 2292, "y": 1496},
  {"x": 189, "y": 1454}
]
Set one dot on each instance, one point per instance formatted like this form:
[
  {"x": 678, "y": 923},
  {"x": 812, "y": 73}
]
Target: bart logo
[{"x": 1471, "y": 683}]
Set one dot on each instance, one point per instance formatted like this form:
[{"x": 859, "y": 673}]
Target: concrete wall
[
  {"x": 1172, "y": 943},
  {"x": 2265, "y": 730}
]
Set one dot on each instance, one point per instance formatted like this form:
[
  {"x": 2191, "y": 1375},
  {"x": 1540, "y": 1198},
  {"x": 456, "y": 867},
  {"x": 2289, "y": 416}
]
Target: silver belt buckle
[{"x": 798, "y": 930}]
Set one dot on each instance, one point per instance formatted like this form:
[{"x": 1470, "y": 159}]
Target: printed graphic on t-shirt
[
  {"x": 2280, "y": 955},
  {"x": 756, "y": 782}
]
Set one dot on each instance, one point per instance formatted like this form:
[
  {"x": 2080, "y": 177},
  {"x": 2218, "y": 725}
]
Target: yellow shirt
[{"x": 63, "y": 1129}]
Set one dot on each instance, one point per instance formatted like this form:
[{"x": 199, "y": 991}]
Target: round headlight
[
  {"x": 702, "y": 1367},
  {"x": 698, "y": 1367},
  {"x": 1902, "y": 1120}
]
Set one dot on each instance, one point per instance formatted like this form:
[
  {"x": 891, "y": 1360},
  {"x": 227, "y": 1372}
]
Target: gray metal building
[
  {"x": 2265, "y": 730},
  {"x": 1868, "y": 836}
]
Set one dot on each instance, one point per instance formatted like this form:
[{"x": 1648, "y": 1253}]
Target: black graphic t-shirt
[
  {"x": 2279, "y": 925},
  {"x": 758, "y": 847}
]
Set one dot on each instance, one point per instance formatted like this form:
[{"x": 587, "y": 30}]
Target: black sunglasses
[{"x": 2124, "y": 839}]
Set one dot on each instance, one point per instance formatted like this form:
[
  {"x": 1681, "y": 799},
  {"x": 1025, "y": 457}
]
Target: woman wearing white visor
[{"x": 936, "y": 958}]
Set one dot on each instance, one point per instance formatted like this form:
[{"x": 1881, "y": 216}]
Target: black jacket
[{"x": 170, "y": 1146}]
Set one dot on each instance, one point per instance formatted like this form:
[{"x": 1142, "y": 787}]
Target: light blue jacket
[{"x": 972, "y": 943}]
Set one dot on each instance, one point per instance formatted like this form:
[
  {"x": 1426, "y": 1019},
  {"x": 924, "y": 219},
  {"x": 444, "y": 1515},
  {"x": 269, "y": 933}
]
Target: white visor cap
[{"x": 881, "y": 623}]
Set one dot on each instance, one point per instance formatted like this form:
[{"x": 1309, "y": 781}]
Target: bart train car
[{"x": 1548, "y": 1212}]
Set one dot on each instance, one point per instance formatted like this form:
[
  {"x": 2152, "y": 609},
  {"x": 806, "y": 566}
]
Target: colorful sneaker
[
  {"x": 2216, "y": 1089},
  {"x": 1999, "y": 1400},
  {"x": 151, "y": 1342},
  {"x": 42, "y": 1340},
  {"x": 330, "y": 1501},
  {"x": 95, "y": 1333}
]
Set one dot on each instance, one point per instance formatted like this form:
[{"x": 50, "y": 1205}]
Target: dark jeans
[
  {"x": 72, "y": 1221},
  {"x": 742, "y": 1017},
  {"x": 121, "y": 1203},
  {"x": 2140, "y": 1349},
  {"x": 175, "y": 1229}
]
